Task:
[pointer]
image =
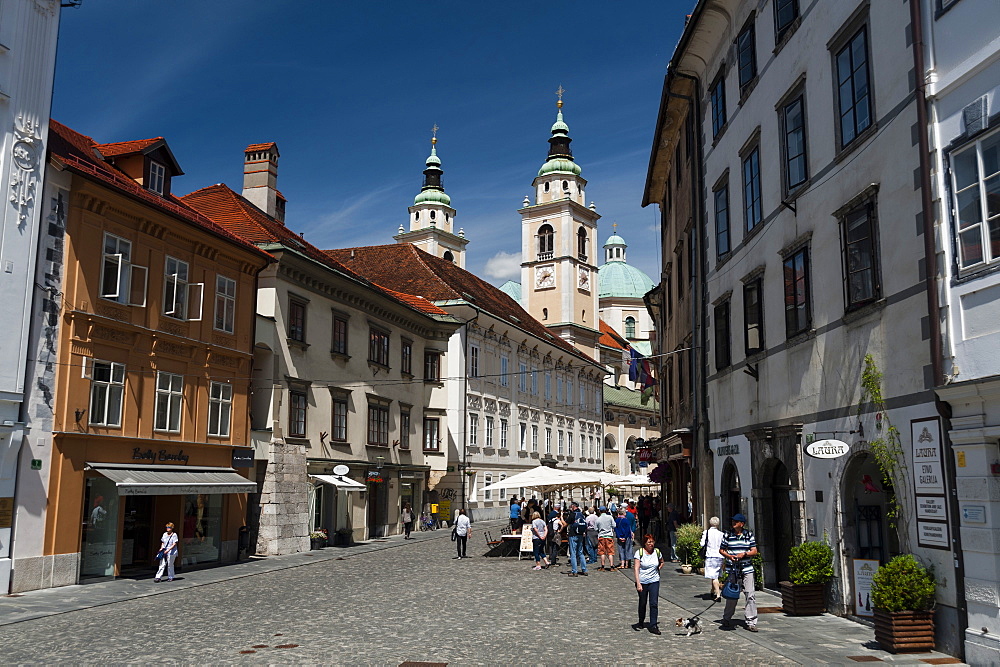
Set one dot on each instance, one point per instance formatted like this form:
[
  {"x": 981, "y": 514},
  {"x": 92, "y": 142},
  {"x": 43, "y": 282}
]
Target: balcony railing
[{"x": 542, "y": 256}]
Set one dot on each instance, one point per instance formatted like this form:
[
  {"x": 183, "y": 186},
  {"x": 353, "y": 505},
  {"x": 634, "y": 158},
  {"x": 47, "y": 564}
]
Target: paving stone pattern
[{"x": 391, "y": 601}]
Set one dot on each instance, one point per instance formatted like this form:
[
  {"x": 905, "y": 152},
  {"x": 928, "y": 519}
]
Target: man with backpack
[
  {"x": 738, "y": 549},
  {"x": 577, "y": 535}
]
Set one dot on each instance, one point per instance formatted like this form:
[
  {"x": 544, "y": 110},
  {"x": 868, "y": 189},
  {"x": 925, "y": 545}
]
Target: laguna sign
[{"x": 827, "y": 449}]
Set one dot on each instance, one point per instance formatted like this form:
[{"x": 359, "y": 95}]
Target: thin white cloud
[{"x": 504, "y": 266}]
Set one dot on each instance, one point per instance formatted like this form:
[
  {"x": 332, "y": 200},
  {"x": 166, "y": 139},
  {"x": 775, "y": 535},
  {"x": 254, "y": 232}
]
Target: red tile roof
[
  {"x": 78, "y": 152},
  {"x": 611, "y": 338},
  {"x": 259, "y": 147},
  {"x": 125, "y": 147},
  {"x": 238, "y": 215},
  {"x": 404, "y": 267}
]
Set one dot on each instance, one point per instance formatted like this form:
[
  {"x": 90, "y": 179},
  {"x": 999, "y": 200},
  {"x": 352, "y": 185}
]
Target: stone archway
[
  {"x": 864, "y": 503},
  {"x": 779, "y": 497},
  {"x": 730, "y": 492}
]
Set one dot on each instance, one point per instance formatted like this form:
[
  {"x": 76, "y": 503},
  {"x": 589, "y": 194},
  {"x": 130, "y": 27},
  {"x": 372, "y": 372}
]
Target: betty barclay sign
[
  {"x": 163, "y": 456},
  {"x": 827, "y": 449}
]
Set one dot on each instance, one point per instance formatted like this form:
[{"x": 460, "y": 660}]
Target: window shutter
[
  {"x": 196, "y": 293},
  {"x": 138, "y": 279},
  {"x": 113, "y": 292}
]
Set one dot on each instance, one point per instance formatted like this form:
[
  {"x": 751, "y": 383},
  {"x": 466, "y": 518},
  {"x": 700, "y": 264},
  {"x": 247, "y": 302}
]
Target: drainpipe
[{"x": 933, "y": 306}]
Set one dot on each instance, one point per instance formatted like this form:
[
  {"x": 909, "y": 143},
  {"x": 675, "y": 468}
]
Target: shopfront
[{"x": 113, "y": 500}]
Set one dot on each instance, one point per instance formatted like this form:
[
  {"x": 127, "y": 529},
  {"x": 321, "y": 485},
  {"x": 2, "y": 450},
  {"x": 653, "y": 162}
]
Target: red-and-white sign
[{"x": 646, "y": 455}]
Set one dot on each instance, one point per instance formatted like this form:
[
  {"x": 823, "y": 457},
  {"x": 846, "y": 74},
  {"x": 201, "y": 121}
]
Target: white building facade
[
  {"x": 28, "y": 33},
  {"x": 962, "y": 79}
]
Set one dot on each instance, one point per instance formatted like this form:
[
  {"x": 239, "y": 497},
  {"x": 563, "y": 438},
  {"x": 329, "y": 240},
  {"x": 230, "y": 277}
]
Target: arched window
[
  {"x": 546, "y": 186},
  {"x": 448, "y": 256},
  {"x": 416, "y": 216},
  {"x": 565, "y": 186},
  {"x": 609, "y": 443},
  {"x": 545, "y": 314},
  {"x": 432, "y": 215},
  {"x": 581, "y": 243},
  {"x": 630, "y": 327},
  {"x": 546, "y": 239}
]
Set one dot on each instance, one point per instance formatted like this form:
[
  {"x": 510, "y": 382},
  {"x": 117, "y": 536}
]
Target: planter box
[
  {"x": 803, "y": 599},
  {"x": 316, "y": 543},
  {"x": 903, "y": 631}
]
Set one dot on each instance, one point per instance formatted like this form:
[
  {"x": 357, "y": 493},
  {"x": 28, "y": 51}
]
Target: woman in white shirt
[
  {"x": 711, "y": 539},
  {"x": 168, "y": 553},
  {"x": 647, "y": 564}
]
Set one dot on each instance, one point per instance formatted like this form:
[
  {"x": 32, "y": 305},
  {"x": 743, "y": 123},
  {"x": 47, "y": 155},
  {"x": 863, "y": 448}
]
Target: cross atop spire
[
  {"x": 434, "y": 134},
  {"x": 615, "y": 226},
  {"x": 559, "y": 93}
]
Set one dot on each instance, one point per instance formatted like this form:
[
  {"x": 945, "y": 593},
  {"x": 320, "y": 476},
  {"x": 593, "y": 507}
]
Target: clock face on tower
[
  {"x": 545, "y": 276},
  {"x": 584, "y": 281}
]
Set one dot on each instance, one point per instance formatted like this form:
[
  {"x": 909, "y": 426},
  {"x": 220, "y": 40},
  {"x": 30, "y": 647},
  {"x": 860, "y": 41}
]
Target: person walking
[
  {"x": 590, "y": 544},
  {"x": 538, "y": 535},
  {"x": 577, "y": 536},
  {"x": 407, "y": 517},
  {"x": 738, "y": 548},
  {"x": 463, "y": 528},
  {"x": 515, "y": 515},
  {"x": 711, "y": 539},
  {"x": 645, "y": 507},
  {"x": 555, "y": 535},
  {"x": 605, "y": 539},
  {"x": 673, "y": 523},
  {"x": 647, "y": 564},
  {"x": 167, "y": 553},
  {"x": 623, "y": 534}
]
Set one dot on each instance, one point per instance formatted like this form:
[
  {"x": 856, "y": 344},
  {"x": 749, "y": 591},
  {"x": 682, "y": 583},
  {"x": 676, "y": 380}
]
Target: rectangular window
[
  {"x": 583, "y": 396},
  {"x": 404, "y": 429},
  {"x": 534, "y": 382},
  {"x": 597, "y": 400},
  {"x": 548, "y": 441},
  {"x": 723, "y": 349},
  {"x": 406, "y": 357},
  {"x": 668, "y": 289},
  {"x": 181, "y": 299},
  {"x": 378, "y": 347},
  {"x": 523, "y": 443},
  {"x": 746, "y": 56},
  {"x": 225, "y": 303},
  {"x": 220, "y": 408},
  {"x": 473, "y": 361},
  {"x": 522, "y": 379},
  {"x": 432, "y": 366},
  {"x": 560, "y": 443},
  {"x": 503, "y": 491},
  {"x": 860, "y": 257},
  {"x": 853, "y": 90},
  {"x": 432, "y": 434},
  {"x": 752, "y": 212},
  {"x": 558, "y": 390},
  {"x": 489, "y": 431},
  {"x": 569, "y": 392},
  {"x": 718, "y": 95},
  {"x": 785, "y": 13},
  {"x": 107, "y": 392},
  {"x": 753, "y": 317},
  {"x": 548, "y": 386},
  {"x": 487, "y": 481},
  {"x": 378, "y": 424},
  {"x": 793, "y": 120},
  {"x": 504, "y": 380},
  {"x": 298, "y": 404},
  {"x": 975, "y": 177},
  {"x": 473, "y": 430},
  {"x": 534, "y": 438},
  {"x": 339, "y": 335},
  {"x": 569, "y": 444},
  {"x": 169, "y": 402},
  {"x": 296, "y": 320},
  {"x": 121, "y": 280},
  {"x": 157, "y": 177},
  {"x": 721, "y": 197},
  {"x": 503, "y": 434},
  {"x": 339, "y": 429},
  {"x": 796, "y": 276}
]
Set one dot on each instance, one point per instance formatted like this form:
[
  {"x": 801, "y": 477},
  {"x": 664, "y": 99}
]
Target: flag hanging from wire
[{"x": 640, "y": 373}]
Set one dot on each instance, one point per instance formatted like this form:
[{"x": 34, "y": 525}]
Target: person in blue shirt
[
  {"x": 515, "y": 515},
  {"x": 623, "y": 539},
  {"x": 634, "y": 523}
]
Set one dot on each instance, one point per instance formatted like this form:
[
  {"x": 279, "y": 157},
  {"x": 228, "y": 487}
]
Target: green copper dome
[
  {"x": 432, "y": 197},
  {"x": 614, "y": 239},
  {"x": 560, "y": 165},
  {"x": 618, "y": 279},
  {"x": 432, "y": 191}
]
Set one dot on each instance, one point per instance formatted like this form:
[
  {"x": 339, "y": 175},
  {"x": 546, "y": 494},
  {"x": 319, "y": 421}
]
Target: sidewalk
[
  {"x": 808, "y": 640},
  {"x": 51, "y": 601}
]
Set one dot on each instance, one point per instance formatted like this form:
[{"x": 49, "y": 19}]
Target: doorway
[
  {"x": 137, "y": 537},
  {"x": 732, "y": 495},
  {"x": 781, "y": 520}
]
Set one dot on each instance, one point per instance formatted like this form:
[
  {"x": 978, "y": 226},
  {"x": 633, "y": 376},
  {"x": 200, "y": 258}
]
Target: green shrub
[
  {"x": 688, "y": 544},
  {"x": 811, "y": 563},
  {"x": 758, "y": 572},
  {"x": 903, "y": 584}
]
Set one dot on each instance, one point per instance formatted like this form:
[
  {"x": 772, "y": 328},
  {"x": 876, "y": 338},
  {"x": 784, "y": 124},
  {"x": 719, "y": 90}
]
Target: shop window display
[
  {"x": 202, "y": 536},
  {"x": 100, "y": 528}
]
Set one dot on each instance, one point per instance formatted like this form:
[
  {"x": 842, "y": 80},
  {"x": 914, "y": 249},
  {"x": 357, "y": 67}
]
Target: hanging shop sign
[
  {"x": 341, "y": 470},
  {"x": 827, "y": 449},
  {"x": 242, "y": 457},
  {"x": 926, "y": 442},
  {"x": 375, "y": 476},
  {"x": 646, "y": 455}
]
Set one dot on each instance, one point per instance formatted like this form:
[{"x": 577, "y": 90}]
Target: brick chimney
[{"x": 260, "y": 179}]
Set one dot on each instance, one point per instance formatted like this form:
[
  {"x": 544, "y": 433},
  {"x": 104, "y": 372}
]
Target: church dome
[
  {"x": 614, "y": 239},
  {"x": 560, "y": 165},
  {"x": 618, "y": 279},
  {"x": 432, "y": 197}
]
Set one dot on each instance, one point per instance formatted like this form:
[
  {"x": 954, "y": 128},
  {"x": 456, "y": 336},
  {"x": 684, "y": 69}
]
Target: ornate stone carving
[
  {"x": 535, "y": 415},
  {"x": 548, "y": 418},
  {"x": 222, "y": 339},
  {"x": 224, "y": 360},
  {"x": 522, "y": 413},
  {"x": 163, "y": 347},
  {"x": 113, "y": 335},
  {"x": 475, "y": 402},
  {"x": 171, "y": 328},
  {"x": 112, "y": 312},
  {"x": 491, "y": 405},
  {"x": 25, "y": 155},
  {"x": 505, "y": 409}
]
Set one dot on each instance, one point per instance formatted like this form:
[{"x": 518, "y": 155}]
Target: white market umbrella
[
  {"x": 544, "y": 478},
  {"x": 634, "y": 480}
]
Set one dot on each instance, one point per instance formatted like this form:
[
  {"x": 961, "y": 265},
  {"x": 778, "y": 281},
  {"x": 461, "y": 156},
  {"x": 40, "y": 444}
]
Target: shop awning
[
  {"x": 345, "y": 483},
  {"x": 173, "y": 480}
]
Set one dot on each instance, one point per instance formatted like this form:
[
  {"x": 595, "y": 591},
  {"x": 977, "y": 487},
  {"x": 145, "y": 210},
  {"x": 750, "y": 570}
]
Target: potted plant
[
  {"x": 688, "y": 544},
  {"x": 317, "y": 539},
  {"x": 344, "y": 537},
  {"x": 810, "y": 566},
  {"x": 903, "y": 597}
]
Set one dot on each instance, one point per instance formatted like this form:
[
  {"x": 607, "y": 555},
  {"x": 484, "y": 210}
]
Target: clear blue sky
[{"x": 350, "y": 90}]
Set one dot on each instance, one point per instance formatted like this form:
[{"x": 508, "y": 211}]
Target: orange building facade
[{"x": 150, "y": 419}]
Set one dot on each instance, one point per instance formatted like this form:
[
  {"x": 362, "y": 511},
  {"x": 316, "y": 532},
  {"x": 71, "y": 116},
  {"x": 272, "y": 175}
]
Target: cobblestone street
[{"x": 393, "y": 601}]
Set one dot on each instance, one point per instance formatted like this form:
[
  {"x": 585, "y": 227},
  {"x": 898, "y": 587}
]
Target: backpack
[
  {"x": 579, "y": 525},
  {"x": 553, "y": 529}
]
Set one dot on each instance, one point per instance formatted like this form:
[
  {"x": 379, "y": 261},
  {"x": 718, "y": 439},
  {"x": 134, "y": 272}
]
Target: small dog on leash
[{"x": 692, "y": 625}]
